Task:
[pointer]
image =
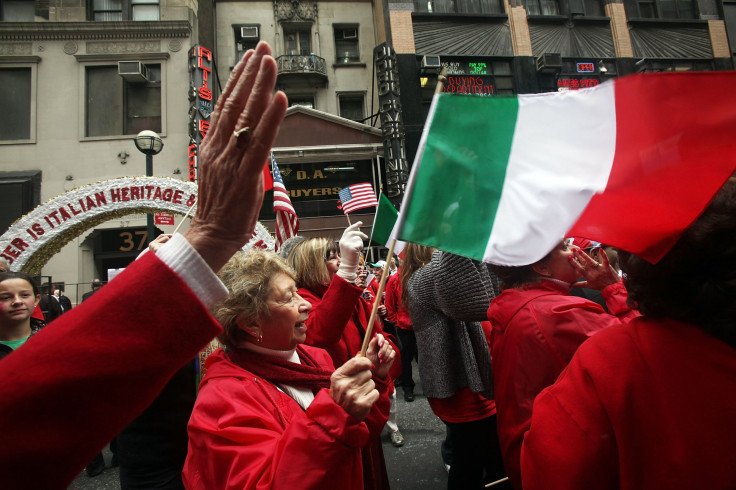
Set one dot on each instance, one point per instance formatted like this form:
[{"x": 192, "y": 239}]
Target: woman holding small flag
[{"x": 340, "y": 315}]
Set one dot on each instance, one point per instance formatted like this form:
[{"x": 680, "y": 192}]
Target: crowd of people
[{"x": 538, "y": 388}]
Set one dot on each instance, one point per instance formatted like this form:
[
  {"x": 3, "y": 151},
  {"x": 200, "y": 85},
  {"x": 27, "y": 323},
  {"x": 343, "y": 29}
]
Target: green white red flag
[{"x": 630, "y": 163}]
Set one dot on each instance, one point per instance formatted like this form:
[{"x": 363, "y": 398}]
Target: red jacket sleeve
[
  {"x": 76, "y": 384},
  {"x": 331, "y": 312},
  {"x": 391, "y": 299}
]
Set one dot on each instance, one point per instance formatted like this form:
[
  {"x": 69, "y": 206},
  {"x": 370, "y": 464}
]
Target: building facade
[
  {"x": 80, "y": 79},
  {"x": 531, "y": 46},
  {"x": 331, "y": 137}
]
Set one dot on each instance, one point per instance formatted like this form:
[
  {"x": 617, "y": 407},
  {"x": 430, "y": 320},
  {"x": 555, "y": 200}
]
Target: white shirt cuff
[{"x": 184, "y": 260}]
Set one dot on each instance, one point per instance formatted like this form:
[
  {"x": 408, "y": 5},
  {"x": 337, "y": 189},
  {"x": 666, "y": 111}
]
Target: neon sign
[
  {"x": 200, "y": 103},
  {"x": 576, "y": 83},
  {"x": 478, "y": 68},
  {"x": 586, "y": 68},
  {"x": 469, "y": 85}
]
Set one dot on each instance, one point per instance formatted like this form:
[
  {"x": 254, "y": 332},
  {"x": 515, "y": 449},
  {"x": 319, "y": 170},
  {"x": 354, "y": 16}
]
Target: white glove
[{"x": 351, "y": 244}]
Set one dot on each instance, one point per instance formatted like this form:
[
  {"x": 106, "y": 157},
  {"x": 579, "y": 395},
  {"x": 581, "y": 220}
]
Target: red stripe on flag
[{"x": 680, "y": 143}]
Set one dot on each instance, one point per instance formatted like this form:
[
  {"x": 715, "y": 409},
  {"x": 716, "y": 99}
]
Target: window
[
  {"x": 117, "y": 10},
  {"x": 298, "y": 40},
  {"x": 116, "y": 107},
  {"x": 661, "y": 9},
  {"x": 542, "y": 7},
  {"x": 302, "y": 100},
  {"x": 346, "y": 44},
  {"x": 17, "y": 98},
  {"x": 20, "y": 192},
  {"x": 17, "y": 10},
  {"x": 246, "y": 37},
  {"x": 351, "y": 106},
  {"x": 586, "y": 8},
  {"x": 459, "y": 6}
]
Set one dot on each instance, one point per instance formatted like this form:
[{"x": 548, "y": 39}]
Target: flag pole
[
  {"x": 185, "y": 217},
  {"x": 364, "y": 253},
  {"x": 348, "y": 217},
  {"x": 441, "y": 79},
  {"x": 376, "y": 303}
]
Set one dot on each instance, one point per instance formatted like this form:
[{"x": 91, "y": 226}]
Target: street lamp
[{"x": 149, "y": 143}]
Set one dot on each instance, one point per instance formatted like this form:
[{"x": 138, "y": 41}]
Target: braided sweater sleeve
[{"x": 448, "y": 298}]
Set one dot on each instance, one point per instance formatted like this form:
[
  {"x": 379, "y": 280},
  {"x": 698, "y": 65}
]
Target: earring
[{"x": 260, "y": 337}]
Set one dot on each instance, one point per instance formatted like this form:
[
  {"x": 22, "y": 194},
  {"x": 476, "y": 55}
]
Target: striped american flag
[
  {"x": 357, "y": 196},
  {"x": 287, "y": 222}
]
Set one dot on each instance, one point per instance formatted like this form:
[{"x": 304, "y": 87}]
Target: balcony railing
[{"x": 309, "y": 64}]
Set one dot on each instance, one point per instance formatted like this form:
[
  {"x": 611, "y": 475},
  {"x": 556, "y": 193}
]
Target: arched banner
[{"x": 36, "y": 237}]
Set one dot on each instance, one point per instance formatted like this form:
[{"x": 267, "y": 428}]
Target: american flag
[
  {"x": 287, "y": 222},
  {"x": 357, "y": 196}
]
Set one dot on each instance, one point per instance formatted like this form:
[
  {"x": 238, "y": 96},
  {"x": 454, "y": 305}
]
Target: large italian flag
[{"x": 630, "y": 163}]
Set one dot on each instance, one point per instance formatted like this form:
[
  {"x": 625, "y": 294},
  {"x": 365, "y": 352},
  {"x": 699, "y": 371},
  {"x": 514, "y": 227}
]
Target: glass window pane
[
  {"x": 550, "y": 7},
  {"x": 667, "y": 9},
  {"x": 422, "y": 5},
  {"x": 18, "y": 10},
  {"x": 532, "y": 7},
  {"x": 104, "y": 101},
  {"x": 145, "y": 12},
  {"x": 686, "y": 9},
  {"x": 593, "y": 8},
  {"x": 467, "y": 6},
  {"x": 442, "y": 6},
  {"x": 501, "y": 68},
  {"x": 491, "y": 6},
  {"x": 108, "y": 10},
  {"x": 15, "y": 99},
  {"x": 143, "y": 108},
  {"x": 351, "y": 107},
  {"x": 346, "y": 49}
]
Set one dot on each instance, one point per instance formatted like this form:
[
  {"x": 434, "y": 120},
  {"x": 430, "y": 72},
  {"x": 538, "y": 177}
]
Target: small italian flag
[
  {"x": 630, "y": 163},
  {"x": 384, "y": 225}
]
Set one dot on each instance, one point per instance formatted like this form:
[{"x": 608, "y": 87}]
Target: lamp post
[{"x": 149, "y": 143}]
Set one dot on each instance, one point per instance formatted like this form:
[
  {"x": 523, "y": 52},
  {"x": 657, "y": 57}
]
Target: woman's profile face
[
  {"x": 17, "y": 301},
  {"x": 559, "y": 264},
  {"x": 332, "y": 263},
  {"x": 286, "y": 328}
]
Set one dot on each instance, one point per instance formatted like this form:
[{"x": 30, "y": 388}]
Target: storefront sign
[
  {"x": 392, "y": 126},
  {"x": 576, "y": 83},
  {"x": 475, "y": 85},
  {"x": 201, "y": 104}
]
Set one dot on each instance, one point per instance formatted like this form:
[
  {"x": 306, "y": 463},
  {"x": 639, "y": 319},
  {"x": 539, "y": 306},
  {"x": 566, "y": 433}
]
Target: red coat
[
  {"x": 536, "y": 331},
  {"x": 338, "y": 320},
  {"x": 647, "y": 405},
  {"x": 397, "y": 312},
  {"x": 337, "y": 323},
  {"x": 76, "y": 384},
  {"x": 246, "y": 433}
]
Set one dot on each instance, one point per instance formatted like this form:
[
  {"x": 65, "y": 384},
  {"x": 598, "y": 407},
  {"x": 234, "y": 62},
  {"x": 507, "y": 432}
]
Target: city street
[{"x": 417, "y": 465}]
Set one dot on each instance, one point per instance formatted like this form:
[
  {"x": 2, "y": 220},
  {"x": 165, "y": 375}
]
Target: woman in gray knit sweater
[{"x": 448, "y": 299}]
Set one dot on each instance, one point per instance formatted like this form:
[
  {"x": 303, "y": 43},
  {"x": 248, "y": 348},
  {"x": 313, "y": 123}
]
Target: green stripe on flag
[
  {"x": 386, "y": 216},
  {"x": 459, "y": 180}
]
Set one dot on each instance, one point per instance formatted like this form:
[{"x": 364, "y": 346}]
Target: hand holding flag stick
[{"x": 376, "y": 304}]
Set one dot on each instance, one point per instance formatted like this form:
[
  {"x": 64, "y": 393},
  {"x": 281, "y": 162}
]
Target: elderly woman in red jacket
[
  {"x": 272, "y": 412},
  {"x": 327, "y": 277},
  {"x": 537, "y": 327}
]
